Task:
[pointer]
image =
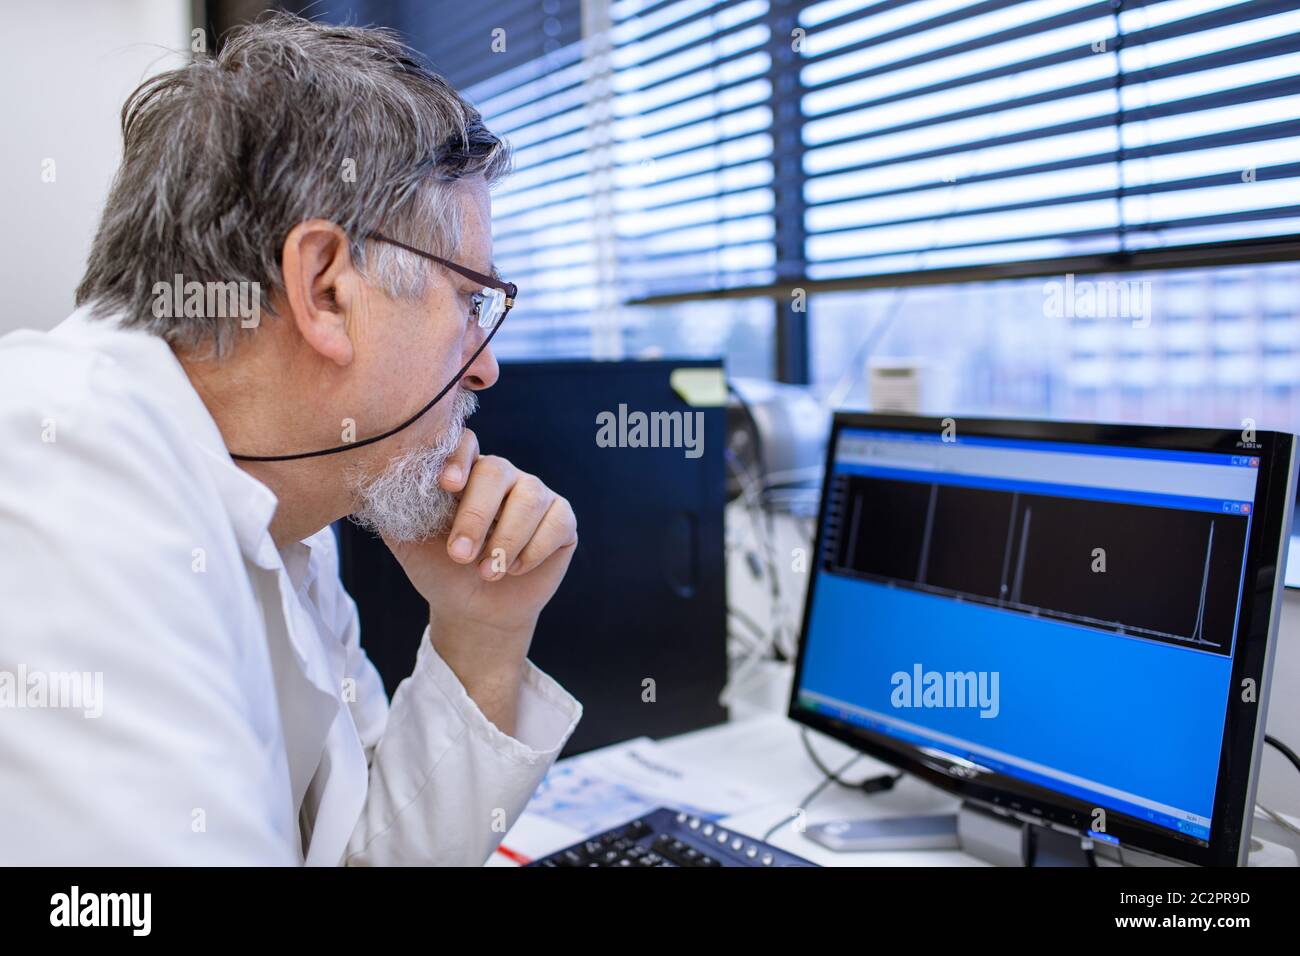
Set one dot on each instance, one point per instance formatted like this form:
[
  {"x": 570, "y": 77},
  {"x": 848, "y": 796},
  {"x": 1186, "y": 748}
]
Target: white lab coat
[{"x": 241, "y": 720}]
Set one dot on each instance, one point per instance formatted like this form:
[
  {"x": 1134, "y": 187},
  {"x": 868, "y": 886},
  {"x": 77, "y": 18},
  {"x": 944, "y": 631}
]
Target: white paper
[{"x": 596, "y": 791}]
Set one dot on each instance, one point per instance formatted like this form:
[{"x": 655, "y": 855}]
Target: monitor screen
[{"x": 1058, "y": 613}]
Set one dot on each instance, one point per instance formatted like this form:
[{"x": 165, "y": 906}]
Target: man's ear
[{"x": 320, "y": 287}]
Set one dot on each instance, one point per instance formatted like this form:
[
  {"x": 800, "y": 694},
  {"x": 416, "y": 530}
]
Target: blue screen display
[{"x": 1062, "y": 614}]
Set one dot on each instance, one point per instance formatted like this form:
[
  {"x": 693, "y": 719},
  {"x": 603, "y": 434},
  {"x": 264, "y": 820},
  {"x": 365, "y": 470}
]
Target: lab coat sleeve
[{"x": 445, "y": 783}]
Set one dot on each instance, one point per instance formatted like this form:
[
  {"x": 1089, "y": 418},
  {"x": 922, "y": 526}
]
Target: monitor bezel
[
  {"x": 1285, "y": 583},
  {"x": 1256, "y": 639}
]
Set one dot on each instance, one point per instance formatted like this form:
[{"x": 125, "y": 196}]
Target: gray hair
[{"x": 291, "y": 120}]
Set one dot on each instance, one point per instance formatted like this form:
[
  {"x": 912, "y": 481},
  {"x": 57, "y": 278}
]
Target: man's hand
[{"x": 488, "y": 579}]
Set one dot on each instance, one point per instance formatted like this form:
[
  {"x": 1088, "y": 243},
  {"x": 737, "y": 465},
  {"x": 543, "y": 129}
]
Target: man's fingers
[
  {"x": 558, "y": 529},
  {"x": 460, "y": 463},
  {"x": 489, "y": 482},
  {"x": 508, "y": 521},
  {"x": 522, "y": 513}
]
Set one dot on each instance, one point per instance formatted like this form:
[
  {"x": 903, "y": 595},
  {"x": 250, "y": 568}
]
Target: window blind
[{"x": 954, "y": 133}]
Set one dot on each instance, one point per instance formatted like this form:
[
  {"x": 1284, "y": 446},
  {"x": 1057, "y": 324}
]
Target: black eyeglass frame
[{"x": 508, "y": 288}]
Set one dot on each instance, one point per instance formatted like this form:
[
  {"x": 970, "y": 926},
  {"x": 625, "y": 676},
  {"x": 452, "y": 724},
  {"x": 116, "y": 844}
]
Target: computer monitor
[{"x": 1062, "y": 623}]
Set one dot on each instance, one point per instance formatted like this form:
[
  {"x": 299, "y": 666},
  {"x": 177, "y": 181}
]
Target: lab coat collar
[{"x": 151, "y": 362}]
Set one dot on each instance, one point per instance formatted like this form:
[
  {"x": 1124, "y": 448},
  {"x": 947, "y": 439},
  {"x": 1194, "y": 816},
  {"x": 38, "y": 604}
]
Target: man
[{"x": 294, "y": 260}]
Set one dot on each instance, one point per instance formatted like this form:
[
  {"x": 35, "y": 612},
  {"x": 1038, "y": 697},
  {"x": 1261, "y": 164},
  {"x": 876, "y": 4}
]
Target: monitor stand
[{"x": 1003, "y": 841}]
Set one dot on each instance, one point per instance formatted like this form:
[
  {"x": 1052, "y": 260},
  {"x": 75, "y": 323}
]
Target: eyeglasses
[
  {"x": 490, "y": 304},
  {"x": 490, "y": 307}
]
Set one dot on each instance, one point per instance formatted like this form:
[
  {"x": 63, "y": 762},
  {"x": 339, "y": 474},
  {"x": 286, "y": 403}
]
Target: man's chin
[
  {"x": 404, "y": 502},
  {"x": 404, "y": 531}
]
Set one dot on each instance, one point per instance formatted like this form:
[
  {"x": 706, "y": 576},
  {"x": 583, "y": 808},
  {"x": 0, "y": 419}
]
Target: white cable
[{"x": 1277, "y": 818}]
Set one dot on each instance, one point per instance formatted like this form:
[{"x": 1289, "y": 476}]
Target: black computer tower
[{"x": 644, "y": 597}]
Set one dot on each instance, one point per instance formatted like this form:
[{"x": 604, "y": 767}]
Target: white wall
[{"x": 65, "y": 68}]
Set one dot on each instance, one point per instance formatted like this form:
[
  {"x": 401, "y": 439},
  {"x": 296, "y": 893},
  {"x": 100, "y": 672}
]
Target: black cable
[
  {"x": 876, "y": 784},
  {"x": 1284, "y": 749},
  {"x": 349, "y": 446},
  {"x": 886, "y": 782},
  {"x": 1090, "y": 854},
  {"x": 810, "y": 797}
]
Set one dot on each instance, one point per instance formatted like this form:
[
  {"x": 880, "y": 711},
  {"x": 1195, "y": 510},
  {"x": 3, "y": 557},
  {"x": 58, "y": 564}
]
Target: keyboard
[{"x": 667, "y": 837}]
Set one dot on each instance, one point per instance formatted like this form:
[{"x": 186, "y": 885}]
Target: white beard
[{"x": 403, "y": 502}]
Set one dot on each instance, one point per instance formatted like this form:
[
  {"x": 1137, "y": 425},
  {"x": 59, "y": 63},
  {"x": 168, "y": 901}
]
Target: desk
[{"x": 764, "y": 754}]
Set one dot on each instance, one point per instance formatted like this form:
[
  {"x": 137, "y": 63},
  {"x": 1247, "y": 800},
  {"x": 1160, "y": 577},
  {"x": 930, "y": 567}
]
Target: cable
[
  {"x": 764, "y": 538},
  {"x": 757, "y": 636},
  {"x": 1278, "y": 818},
  {"x": 752, "y": 488},
  {"x": 810, "y": 797},
  {"x": 1089, "y": 853},
  {"x": 361, "y": 443},
  {"x": 1284, "y": 749},
  {"x": 877, "y": 784}
]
